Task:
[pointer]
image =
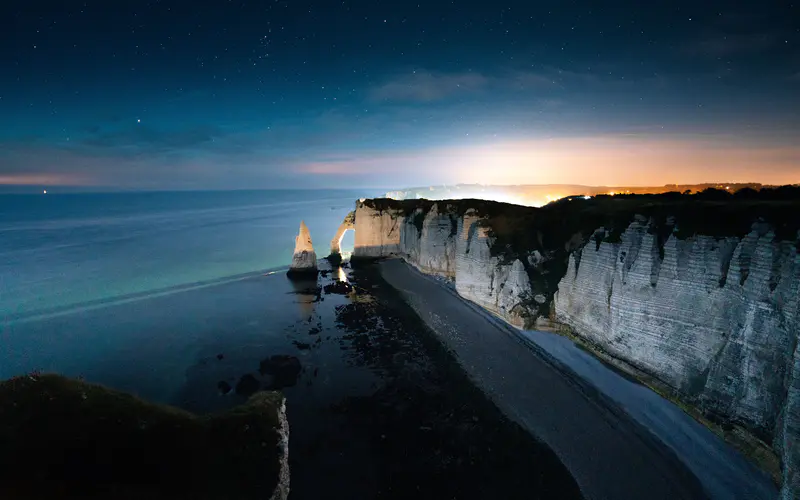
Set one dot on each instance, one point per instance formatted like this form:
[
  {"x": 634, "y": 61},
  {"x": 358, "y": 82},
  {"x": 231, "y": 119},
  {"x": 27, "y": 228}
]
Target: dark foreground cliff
[
  {"x": 698, "y": 292},
  {"x": 63, "y": 438}
]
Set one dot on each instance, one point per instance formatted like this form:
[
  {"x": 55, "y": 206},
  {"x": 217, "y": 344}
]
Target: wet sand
[{"x": 608, "y": 453}]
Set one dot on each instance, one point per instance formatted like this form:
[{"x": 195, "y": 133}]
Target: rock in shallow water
[
  {"x": 304, "y": 259},
  {"x": 283, "y": 369}
]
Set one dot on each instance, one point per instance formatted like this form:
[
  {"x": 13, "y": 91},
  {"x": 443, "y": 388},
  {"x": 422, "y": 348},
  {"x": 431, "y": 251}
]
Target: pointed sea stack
[{"x": 304, "y": 260}]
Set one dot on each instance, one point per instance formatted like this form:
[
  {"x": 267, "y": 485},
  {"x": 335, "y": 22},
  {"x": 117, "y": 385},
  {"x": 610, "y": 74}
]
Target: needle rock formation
[{"x": 304, "y": 259}]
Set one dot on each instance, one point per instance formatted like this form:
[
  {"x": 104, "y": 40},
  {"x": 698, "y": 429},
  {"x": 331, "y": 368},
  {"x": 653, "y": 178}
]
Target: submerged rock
[
  {"x": 304, "y": 259},
  {"x": 338, "y": 287},
  {"x": 224, "y": 387},
  {"x": 64, "y": 438},
  {"x": 283, "y": 368},
  {"x": 247, "y": 385}
]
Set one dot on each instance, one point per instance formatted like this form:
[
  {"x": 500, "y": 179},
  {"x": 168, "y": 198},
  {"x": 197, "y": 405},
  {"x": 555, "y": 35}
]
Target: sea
[{"x": 182, "y": 298}]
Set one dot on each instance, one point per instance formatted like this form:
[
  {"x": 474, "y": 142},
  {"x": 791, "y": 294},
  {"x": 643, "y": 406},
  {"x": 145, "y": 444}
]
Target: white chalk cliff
[
  {"x": 713, "y": 317},
  {"x": 304, "y": 259}
]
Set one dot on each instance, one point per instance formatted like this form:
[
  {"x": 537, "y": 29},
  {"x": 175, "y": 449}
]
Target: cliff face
[
  {"x": 445, "y": 243},
  {"x": 715, "y": 317},
  {"x": 484, "y": 279}
]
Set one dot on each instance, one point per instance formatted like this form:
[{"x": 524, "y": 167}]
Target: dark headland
[{"x": 64, "y": 438}]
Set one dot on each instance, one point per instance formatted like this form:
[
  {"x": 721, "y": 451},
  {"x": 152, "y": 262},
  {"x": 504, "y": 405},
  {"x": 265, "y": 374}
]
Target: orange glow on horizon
[
  {"x": 39, "y": 179},
  {"x": 596, "y": 161}
]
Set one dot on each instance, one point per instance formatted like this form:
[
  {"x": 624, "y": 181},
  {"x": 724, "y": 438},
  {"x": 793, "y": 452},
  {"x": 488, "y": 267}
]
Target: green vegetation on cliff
[{"x": 64, "y": 438}]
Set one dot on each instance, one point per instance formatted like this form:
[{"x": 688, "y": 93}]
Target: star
[{"x": 138, "y": 120}]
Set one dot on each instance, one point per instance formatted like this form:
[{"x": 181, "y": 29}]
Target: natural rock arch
[{"x": 349, "y": 223}]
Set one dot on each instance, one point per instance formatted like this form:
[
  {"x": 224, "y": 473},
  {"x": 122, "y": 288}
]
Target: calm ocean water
[
  {"x": 81, "y": 273},
  {"x": 181, "y": 298},
  {"x": 63, "y": 251}
]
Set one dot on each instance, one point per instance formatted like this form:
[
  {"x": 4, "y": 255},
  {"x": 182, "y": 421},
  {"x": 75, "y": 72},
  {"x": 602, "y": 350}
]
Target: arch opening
[
  {"x": 347, "y": 243},
  {"x": 343, "y": 243}
]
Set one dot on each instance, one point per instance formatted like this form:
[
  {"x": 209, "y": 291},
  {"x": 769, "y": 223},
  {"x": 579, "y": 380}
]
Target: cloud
[
  {"x": 726, "y": 45},
  {"x": 423, "y": 86},
  {"x": 22, "y": 179},
  {"x": 419, "y": 86},
  {"x": 144, "y": 141}
]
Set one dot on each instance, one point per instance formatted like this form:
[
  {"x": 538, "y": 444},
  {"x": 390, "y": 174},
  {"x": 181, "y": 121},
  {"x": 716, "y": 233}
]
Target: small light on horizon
[{"x": 44, "y": 192}]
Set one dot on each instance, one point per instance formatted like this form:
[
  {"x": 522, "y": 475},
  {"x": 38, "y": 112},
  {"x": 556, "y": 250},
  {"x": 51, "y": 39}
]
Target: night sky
[{"x": 273, "y": 94}]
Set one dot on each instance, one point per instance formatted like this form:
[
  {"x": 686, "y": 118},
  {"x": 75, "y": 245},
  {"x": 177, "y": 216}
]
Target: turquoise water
[
  {"x": 127, "y": 289},
  {"x": 60, "y": 252}
]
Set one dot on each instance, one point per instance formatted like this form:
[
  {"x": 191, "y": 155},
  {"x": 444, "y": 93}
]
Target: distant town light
[{"x": 587, "y": 197}]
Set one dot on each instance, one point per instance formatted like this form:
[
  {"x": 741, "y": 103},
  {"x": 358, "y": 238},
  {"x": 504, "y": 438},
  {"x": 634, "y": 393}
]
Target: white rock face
[
  {"x": 282, "y": 488},
  {"x": 717, "y": 319},
  {"x": 484, "y": 280},
  {"x": 304, "y": 258},
  {"x": 431, "y": 248},
  {"x": 377, "y": 232}
]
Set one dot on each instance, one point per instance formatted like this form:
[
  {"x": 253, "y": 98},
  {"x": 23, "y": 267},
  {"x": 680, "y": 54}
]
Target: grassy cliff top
[
  {"x": 64, "y": 438},
  {"x": 483, "y": 207}
]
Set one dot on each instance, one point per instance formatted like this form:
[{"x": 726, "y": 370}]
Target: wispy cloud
[
  {"x": 22, "y": 179},
  {"x": 726, "y": 45},
  {"x": 424, "y": 86},
  {"x": 145, "y": 141},
  {"x": 419, "y": 86}
]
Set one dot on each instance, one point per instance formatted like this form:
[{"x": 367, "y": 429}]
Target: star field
[{"x": 216, "y": 95}]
